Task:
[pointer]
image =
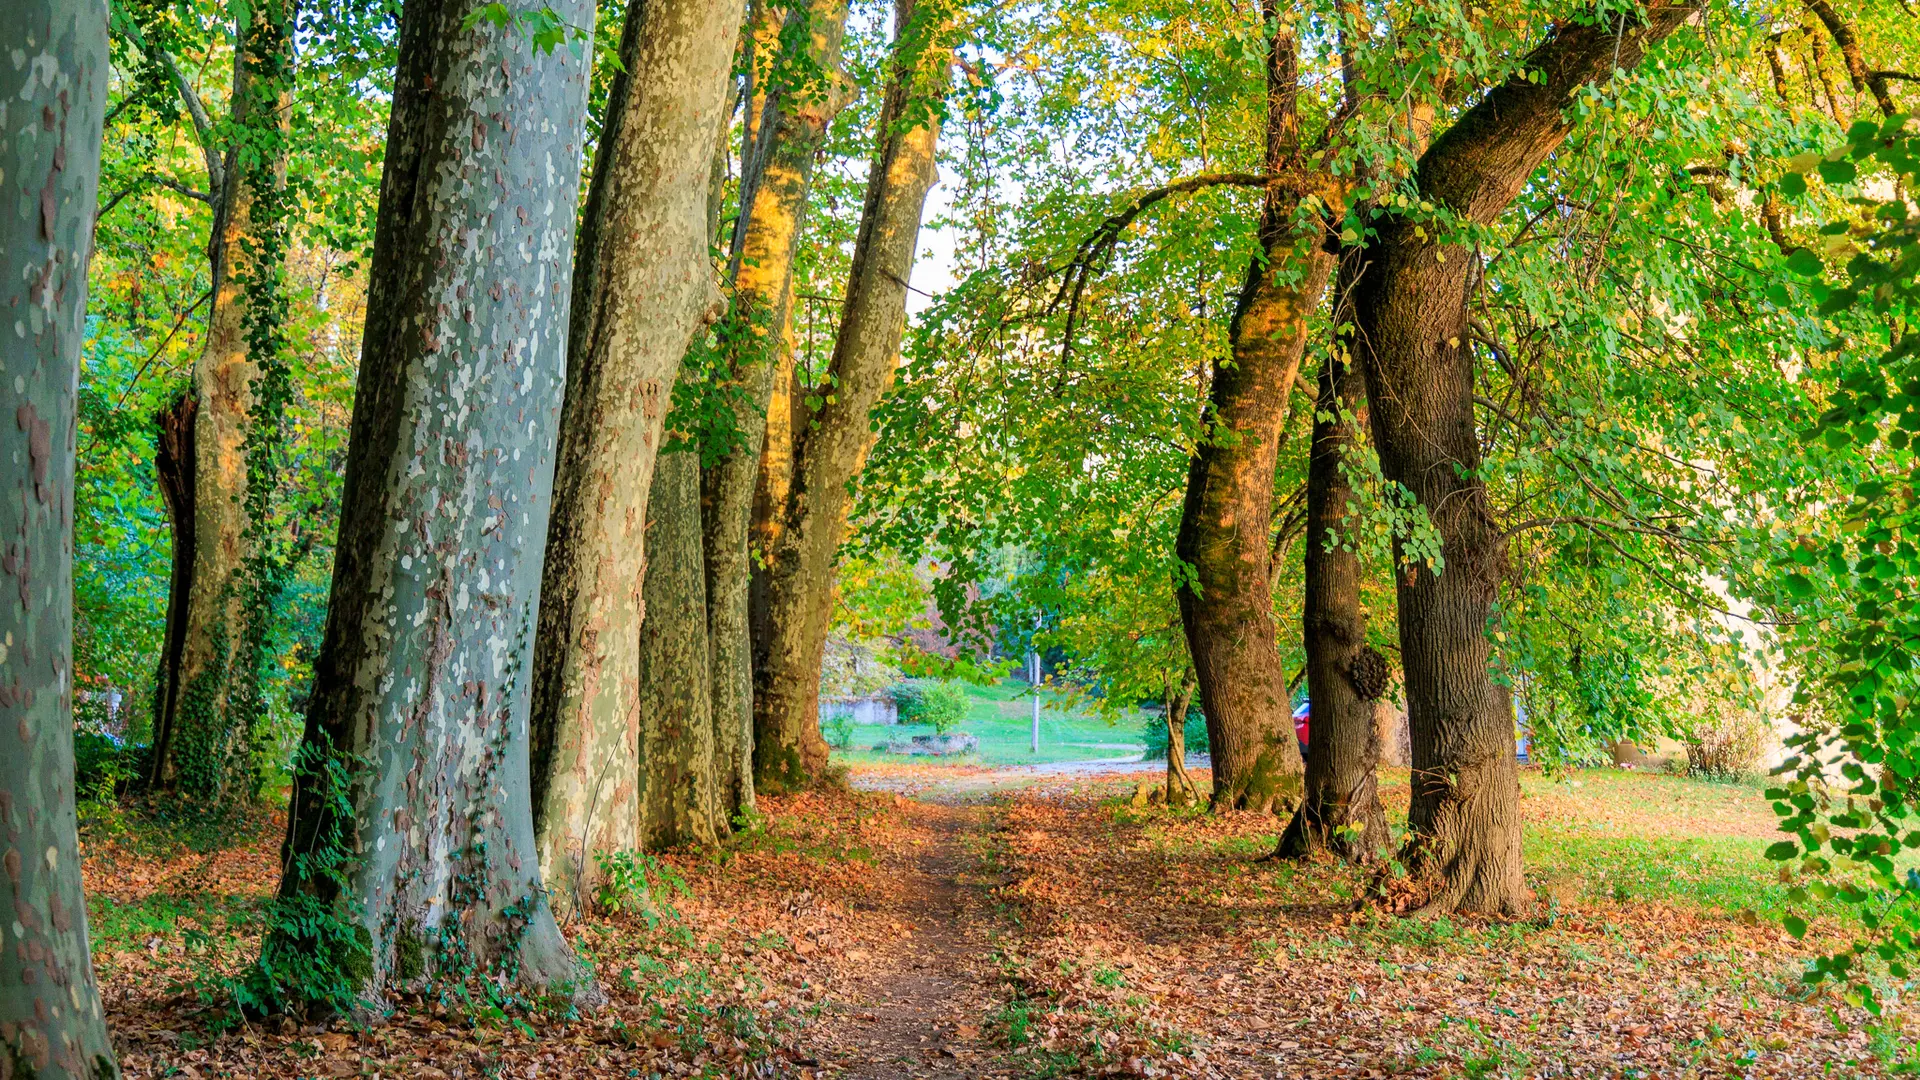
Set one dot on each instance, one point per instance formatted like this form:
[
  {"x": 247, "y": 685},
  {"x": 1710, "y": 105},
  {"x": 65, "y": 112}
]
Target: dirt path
[{"x": 917, "y": 1009}]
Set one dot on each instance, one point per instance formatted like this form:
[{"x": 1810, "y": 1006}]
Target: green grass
[{"x": 1005, "y": 733}]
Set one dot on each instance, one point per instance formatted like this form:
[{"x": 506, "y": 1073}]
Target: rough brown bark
[
  {"x": 767, "y": 238},
  {"x": 196, "y": 742},
  {"x": 422, "y": 681},
  {"x": 55, "y": 85},
  {"x": 1411, "y": 308},
  {"x": 643, "y": 287},
  {"x": 1226, "y": 607},
  {"x": 1340, "y": 810},
  {"x": 832, "y": 443}
]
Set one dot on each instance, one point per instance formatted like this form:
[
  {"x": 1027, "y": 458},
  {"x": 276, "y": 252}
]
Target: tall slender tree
[
  {"x": 832, "y": 441},
  {"x": 422, "y": 681},
  {"x": 1227, "y": 605},
  {"x": 644, "y": 285},
  {"x": 1411, "y": 337},
  {"x": 220, "y": 477},
  {"x": 774, "y": 193},
  {"x": 55, "y": 86}
]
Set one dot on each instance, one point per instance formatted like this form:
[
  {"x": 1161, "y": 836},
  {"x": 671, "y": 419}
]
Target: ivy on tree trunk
[
  {"x": 422, "y": 680},
  {"x": 831, "y": 442}
]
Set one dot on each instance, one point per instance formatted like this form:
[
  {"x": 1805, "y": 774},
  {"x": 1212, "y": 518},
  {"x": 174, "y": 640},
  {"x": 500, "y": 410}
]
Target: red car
[{"x": 1300, "y": 718}]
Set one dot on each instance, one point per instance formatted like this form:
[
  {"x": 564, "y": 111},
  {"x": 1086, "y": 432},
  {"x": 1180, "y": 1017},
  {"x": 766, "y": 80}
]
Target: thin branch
[{"x": 1093, "y": 251}]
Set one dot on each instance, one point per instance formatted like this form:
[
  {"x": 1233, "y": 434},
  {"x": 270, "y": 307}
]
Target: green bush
[
  {"x": 1154, "y": 731},
  {"x": 102, "y": 766},
  {"x": 930, "y": 701}
]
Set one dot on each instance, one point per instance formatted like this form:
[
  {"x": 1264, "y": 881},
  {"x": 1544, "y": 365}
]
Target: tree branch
[
  {"x": 1479, "y": 165},
  {"x": 1843, "y": 36}
]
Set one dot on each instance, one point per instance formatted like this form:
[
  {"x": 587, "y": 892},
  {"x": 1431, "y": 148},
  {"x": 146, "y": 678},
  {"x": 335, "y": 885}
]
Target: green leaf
[
  {"x": 1783, "y": 851},
  {"x": 1793, "y": 184},
  {"x": 1799, "y": 585},
  {"x": 1795, "y": 925},
  {"x": 1837, "y": 172},
  {"x": 1804, "y": 262}
]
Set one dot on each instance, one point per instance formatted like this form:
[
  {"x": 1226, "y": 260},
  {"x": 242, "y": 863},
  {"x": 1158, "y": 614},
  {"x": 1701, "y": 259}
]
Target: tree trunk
[
  {"x": 423, "y": 671},
  {"x": 1227, "y": 607},
  {"x": 1411, "y": 320},
  {"x": 1340, "y": 809},
  {"x": 682, "y": 782},
  {"x": 774, "y": 202},
  {"x": 1181, "y": 789},
  {"x": 51, "y": 1026},
  {"x": 831, "y": 446},
  {"x": 644, "y": 285},
  {"x": 173, "y": 465},
  {"x": 201, "y": 746}
]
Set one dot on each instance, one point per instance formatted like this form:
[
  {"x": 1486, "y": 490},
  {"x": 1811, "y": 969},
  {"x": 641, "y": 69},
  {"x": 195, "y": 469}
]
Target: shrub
[
  {"x": 930, "y": 701},
  {"x": 1726, "y": 750},
  {"x": 838, "y": 728}
]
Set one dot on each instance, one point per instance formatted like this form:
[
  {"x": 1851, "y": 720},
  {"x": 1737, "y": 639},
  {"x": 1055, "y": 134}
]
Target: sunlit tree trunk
[
  {"x": 1227, "y": 607},
  {"x": 831, "y": 444},
  {"x": 1340, "y": 809},
  {"x": 55, "y": 88},
  {"x": 200, "y": 746},
  {"x": 774, "y": 200},
  {"x": 1411, "y": 338},
  {"x": 423, "y": 675},
  {"x": 644, "y": 285}
]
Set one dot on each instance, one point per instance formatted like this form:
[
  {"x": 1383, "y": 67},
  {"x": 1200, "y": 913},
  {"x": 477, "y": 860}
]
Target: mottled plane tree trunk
[
  {"x": 791, "y": 130},
  {"x": 681, "y": 773},
  {"x": 1411, "y": 337},
  {"x": 55, "y": 90},
  {"x": 1340, "y": 809},
  {"x": 831, "y": 444},
  {"x": 1227, "y": 605},
  {"x": 643, "y": 287},
  {"x": 200, "y": 747},
  {"x": 423, "y": 674}
]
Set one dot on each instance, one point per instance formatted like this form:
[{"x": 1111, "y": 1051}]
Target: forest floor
[{"x": 1047, "y": 927}]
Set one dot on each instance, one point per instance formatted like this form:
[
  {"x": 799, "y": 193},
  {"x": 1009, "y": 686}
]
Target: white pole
[{"x": 1033, "y": 682}]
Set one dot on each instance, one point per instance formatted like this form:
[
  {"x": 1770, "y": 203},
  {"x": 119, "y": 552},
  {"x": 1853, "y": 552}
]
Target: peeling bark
[
  {"x": 775, "y": 190},
  {"x": 1227, "y": 606},
  {"x": 680, "y": 775},
  {"x": 54, "y": 86},
  {"x": 643, "y": 287},
  {"x": 1411, "y": 333},
  {"x": 423, "y": 673},
  {"x": 831, "y": 445},
  {"x": 195, "y": 741}
]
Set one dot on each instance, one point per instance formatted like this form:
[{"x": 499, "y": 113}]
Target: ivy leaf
[{"x": 1784, "y": 850}]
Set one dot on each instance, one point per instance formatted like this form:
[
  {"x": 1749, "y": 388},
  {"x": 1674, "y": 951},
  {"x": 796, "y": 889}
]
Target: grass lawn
[{"x": 1001, "y": 717}]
